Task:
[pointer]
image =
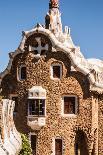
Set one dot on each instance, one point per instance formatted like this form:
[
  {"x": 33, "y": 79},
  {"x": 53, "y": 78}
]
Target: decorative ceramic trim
[{"x": 77, "y": 60}]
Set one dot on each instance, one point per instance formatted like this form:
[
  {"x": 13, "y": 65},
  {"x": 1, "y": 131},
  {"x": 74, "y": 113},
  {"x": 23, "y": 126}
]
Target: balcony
[{"x": 35, "y": 122}]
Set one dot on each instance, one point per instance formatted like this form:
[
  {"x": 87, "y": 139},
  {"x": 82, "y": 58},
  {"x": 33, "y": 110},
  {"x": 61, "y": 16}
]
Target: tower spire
[
  {"x": 53, "y": 18},
  {"x": 54, "y": 24},
  {"x": 53, "y": 4}
]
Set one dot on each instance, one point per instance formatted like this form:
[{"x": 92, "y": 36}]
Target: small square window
[
  {"x": 69, "y": 105},
  {"x": 56, "y": 71}
]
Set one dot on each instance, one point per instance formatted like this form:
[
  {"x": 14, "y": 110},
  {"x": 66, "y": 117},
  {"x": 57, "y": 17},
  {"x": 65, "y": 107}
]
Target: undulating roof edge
[{"x": 93, "y": 71}]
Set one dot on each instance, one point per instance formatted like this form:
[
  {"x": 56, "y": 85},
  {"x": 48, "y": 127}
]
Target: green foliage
[
  {"x": 1, "y": 97},
  {"x": 26, "y": 148}
]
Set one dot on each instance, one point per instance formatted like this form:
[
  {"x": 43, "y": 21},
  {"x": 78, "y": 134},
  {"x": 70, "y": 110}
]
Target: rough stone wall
[
  {"x": 71, "y": 83},
  {"x": 10, "y": 139},
  {"x": 100, "y": 123}
]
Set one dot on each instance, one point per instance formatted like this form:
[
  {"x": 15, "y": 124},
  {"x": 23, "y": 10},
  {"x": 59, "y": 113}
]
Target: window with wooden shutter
[{"x": 58, "y": 146}]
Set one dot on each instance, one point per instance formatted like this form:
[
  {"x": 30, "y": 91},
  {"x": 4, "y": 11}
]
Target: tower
[{"x": 53, "y": 18}]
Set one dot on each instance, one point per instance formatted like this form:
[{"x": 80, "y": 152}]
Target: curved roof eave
[{"x": 58, "y": 45}]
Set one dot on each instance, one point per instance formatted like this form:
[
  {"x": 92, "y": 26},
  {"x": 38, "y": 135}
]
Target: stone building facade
[{"x": 58, "y": 93}]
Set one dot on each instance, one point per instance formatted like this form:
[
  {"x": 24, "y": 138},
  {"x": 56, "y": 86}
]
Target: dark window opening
[
  {"x": 58, "y": 146},
  {"x": 15, "y": 98},
  {"x": 23, "y": 73},
  {"x": 69, "y": 105},
  {"x": 37, "y": 107},
  {"x": 33, "y": 144},
  {"x": 56, "y": 72}
]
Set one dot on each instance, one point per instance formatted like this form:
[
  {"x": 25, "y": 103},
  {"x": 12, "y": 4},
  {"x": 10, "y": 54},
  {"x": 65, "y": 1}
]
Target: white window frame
[
  {"x": 19, "y": 73},
  {"x": 51, "y": 71},
  {"x": 53, "y": 144},
  {"x": 76, "y": 106},
  {"x": 30, "y": 134}
]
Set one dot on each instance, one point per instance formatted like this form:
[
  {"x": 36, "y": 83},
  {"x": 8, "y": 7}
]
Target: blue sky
[{"x": 84, "y": 17}]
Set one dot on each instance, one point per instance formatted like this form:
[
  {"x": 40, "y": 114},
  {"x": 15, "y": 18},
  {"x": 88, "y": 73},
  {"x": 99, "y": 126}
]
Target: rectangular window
[
  {"x": 23, "y": 73},
  {"x": 58, "y": 147},
  {"x": 33, "y": 144},
  {"x": 37, "y": 107},
  {"x": 15, "y": 98},
  {"x": 56, "y": 72},
  {"x": 69, "y": 105}
]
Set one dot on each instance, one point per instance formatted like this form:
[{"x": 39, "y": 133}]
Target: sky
[{"x": 84, "y": 17}]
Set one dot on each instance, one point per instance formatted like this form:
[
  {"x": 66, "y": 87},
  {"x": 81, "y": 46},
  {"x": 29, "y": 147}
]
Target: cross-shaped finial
[{"x": 39, "y": 48}]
